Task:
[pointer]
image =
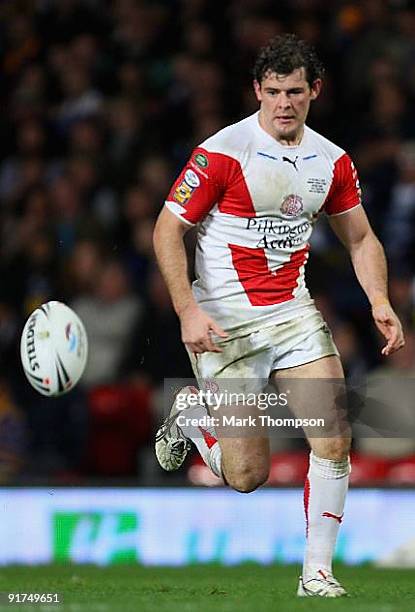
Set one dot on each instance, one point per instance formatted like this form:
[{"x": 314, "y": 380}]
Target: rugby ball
[{"x": 53, "y": 349}]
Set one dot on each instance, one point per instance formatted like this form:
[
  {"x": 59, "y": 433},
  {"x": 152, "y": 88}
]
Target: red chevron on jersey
[{"x": 262, "y": 286}]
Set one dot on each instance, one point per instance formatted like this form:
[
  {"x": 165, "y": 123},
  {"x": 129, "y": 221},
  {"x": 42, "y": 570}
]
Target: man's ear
[
  {"x": 257, "y": 89},
  {"x": 316, "y": 88}
]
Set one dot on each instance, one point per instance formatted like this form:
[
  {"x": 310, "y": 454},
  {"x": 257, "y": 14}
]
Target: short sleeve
[
  {"x": 198, "y": 187},
  {"x": 345, "y": 192}
]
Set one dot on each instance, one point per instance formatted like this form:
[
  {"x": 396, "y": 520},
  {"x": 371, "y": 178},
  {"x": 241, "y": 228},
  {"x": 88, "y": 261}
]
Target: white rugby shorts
[{"x": 246, "y": 362}]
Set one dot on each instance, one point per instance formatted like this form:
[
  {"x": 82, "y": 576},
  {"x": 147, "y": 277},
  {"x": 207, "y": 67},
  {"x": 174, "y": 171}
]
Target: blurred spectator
[
  {"x": 13, "y": 436},
  {"x": 120, "y": 423},
  {"x": 109, "y": 313},
  {"x": 399, "y": 235},
  {"x": 57, "y": 433},
  {"x": 155, "y": 174},
  {"x": 155, "y": 350},
  {"x": 22, "y": 44},
  {"x": 80, "y": 99},
  {"x": 392, "y": 382},
  {"x": 81, "y": 270},
  {"x": 353, "y": 360},
  {"x": 126, "y": 140},
  {"x": 30, "y": 278},
  {"x": 9, "y": 336}
]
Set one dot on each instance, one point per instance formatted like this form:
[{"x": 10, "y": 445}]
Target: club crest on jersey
[{"x": 292, "y": 205}]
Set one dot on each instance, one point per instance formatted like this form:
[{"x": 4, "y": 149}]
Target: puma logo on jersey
[{"x": 290, "y": 161}]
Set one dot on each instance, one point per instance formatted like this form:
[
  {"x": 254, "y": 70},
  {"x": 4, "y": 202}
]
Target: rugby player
[{"x": 255, "y": 190}]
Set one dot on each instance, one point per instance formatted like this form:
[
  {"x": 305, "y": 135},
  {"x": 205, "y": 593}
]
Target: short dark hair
[{"x": 285, "y": 53}]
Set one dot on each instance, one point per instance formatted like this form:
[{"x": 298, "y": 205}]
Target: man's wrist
[
  {"x": 183, "y": 307},
  {"x": 380, "y": 299}
]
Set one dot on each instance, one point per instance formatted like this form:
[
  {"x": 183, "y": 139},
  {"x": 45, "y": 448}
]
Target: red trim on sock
[
  {"x": 323, "y": 574},
  {"x": 209, "y": 439},
  {"x": 306, "y": 503}
]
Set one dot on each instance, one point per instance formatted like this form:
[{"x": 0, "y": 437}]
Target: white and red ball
[{"x": 53, "y": 349}]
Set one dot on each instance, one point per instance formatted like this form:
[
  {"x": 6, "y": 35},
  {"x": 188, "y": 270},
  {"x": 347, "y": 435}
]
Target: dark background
[{"x": 101, "y": 104}]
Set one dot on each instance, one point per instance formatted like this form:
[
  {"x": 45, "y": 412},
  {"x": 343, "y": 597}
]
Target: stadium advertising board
[{"x": 108, "y": 526}]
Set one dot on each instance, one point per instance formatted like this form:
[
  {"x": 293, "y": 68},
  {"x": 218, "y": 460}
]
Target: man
[{"x": 255, "y": 190}]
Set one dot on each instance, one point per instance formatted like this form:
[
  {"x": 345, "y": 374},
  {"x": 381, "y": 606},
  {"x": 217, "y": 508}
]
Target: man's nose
[{"x": 283, "y": 100}]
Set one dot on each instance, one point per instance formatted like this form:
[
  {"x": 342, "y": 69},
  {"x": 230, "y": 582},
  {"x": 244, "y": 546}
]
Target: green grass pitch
[{"x": 204, "y": 588}]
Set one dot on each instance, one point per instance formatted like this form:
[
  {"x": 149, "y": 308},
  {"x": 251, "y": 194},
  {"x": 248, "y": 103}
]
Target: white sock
[
  {"x": 324, "y": 496},
  {"x": 204, "y": 438}
]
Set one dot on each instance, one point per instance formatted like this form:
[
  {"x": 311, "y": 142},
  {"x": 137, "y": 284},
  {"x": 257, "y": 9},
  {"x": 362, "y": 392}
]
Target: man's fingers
[
  {"x": 390, "y": 327},
  {"x": 388, "y": 350},
  {"x": 195, "y": 347},
  {"x": 393, "y": 336},
  {"x": 210, "y": 345},
  {"x": 218, "y": 330},
  {"x": 395, "y": 342},
  {"x": 197, "y": 334},
  {"x": 203, "y": 346},
  {"x": 206, "y": 343}
]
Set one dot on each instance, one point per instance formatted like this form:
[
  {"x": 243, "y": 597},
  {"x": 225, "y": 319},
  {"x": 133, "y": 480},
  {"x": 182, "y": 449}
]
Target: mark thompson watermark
[{"x": 261, "y": 420}]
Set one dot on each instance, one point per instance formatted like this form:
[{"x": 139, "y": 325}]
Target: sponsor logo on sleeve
[
  {"x": 191, "y": 178},
  {"x": 186, "y": 187},
  {"x": 201, "y": 160},
  {"x": 183, "y": 193}
]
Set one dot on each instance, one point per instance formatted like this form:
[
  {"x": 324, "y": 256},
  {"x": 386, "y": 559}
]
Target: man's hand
[
  {"x": 389, "y": 326},
  {"x": 197, "y": 328}
]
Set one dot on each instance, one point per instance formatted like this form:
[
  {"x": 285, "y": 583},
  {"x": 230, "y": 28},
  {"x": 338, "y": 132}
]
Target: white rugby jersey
[{"x": 255, "y": 202}]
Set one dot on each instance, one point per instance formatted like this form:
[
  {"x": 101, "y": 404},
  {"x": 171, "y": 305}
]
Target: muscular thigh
[
  {"x": 316, "y": 390},
  {"x": 242, "y": 369}
]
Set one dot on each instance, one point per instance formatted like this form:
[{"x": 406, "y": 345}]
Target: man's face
[{"x": 285, "y": 102}]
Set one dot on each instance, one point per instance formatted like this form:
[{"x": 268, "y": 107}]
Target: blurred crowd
[{"x": 102, "y": 102}]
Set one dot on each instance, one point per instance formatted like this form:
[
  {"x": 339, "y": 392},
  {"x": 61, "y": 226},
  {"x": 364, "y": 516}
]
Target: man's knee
[
  {"x": 247, "y": 479},
  {"x": 336, "y": 449}
]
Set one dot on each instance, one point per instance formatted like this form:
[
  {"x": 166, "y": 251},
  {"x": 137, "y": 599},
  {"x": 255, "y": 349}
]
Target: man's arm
[
  {"x": 196, "y": 325},
  {"x": 369, "y": 263}
]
